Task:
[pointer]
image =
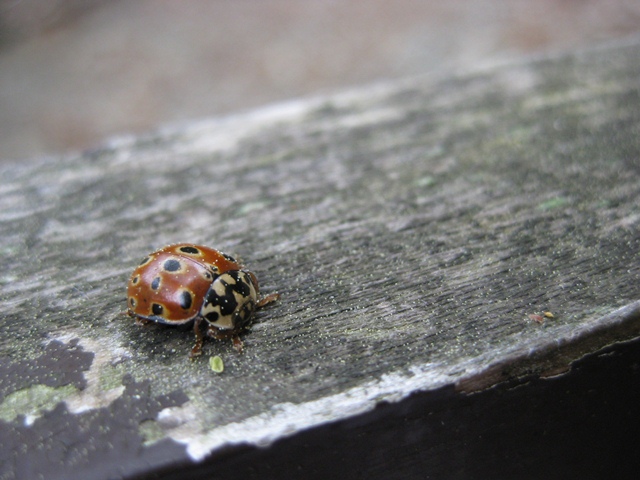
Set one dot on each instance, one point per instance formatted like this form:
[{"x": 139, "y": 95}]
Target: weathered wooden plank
[{"x": 412, "y": 230}]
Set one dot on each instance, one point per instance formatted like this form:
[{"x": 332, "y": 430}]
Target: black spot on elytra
[
  {"x": 226, "y": 302},
  {"x": 171, "y": 265},
  {"x": 229, "y": 257},
  {"x": 190, "y": 250},
  {"x": 156, "y": 283},
  {"x": 135, "y": 279},
  {"x": 242, "y": 287},
  {"x": 186, "y": 299},
  {"x": 157, "y": 309},
  {"x": 144, "y": 260},
  {"x": 132, "y": 302}
]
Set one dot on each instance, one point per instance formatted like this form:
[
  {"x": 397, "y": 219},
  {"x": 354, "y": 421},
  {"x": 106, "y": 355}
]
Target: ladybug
[{"x": 185, "y": 284}]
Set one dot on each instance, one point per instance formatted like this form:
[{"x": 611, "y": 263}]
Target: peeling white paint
[
  {"x": 285, "y": 419},
  {"x": 93, "y": 396}
]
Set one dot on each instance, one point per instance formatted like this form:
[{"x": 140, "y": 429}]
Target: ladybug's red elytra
[{"x": 185, "y": 283}]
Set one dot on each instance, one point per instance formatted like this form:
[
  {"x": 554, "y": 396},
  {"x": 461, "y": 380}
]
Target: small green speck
[
  {"x": 251, "y": 206},
  {"x": 9, "y": 250},
  {"x": 216, "y": 364},
  {"x": 425, "y": 181},
  {"x": 8, "y": 279},
  {"x": 553, "y": 203}
]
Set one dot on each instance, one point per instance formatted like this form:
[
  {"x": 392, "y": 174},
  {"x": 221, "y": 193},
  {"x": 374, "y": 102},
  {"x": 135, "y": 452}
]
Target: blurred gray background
[{"x": 73, "y": 72}]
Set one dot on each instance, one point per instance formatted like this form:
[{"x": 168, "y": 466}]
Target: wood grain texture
[{"x": 411, "y": 228}]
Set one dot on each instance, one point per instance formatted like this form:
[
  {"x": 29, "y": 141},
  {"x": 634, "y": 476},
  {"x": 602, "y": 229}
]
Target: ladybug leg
[
  {"x": 237, "y": 344},
  {"x": 197, "y": 348},
  {"x": 267, "y": 300},
  {"x": 224, "y": 335},
  {"x": 143, "y": 322}
]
